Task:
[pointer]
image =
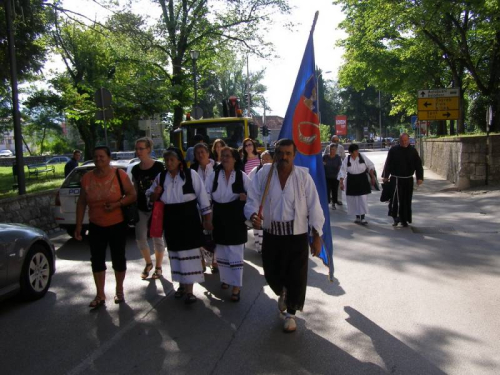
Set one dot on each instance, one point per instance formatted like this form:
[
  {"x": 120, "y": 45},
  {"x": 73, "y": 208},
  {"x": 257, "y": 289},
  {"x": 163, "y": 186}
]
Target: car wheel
[{"x": 36, "y": 274}]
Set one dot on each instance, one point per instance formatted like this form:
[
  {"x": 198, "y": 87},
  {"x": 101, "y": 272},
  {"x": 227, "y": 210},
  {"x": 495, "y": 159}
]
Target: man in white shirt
[
  {"x": 290, "y": 208},
  {"x": 340, "y": 149}
]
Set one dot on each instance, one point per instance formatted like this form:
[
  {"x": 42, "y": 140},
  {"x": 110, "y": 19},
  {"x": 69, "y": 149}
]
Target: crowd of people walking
[{"x": 208, "y": 207}]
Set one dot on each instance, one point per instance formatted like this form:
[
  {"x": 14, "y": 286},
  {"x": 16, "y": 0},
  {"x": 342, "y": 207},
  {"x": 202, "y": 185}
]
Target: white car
[
  {"x": 67, "y": 196},
  {"x": 6, "y": 153}
]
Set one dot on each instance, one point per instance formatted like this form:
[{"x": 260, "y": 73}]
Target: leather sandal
[
  {"x": 214, "y": 269},
  {"x": 224, "y": 286},
  {"x": 158, "y": 273},
  {"x": 119, "y": 297},
  {"x": 190, "y": 299},
  {"x": 97, "y": 302},
  {"x": 147, "y": 269},
  {"x": 179, "y": 292},
  {"x": 235, "y": 297}
]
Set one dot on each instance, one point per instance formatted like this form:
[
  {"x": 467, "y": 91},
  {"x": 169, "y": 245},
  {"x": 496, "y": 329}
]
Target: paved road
[{"x": 419, "y": 300}]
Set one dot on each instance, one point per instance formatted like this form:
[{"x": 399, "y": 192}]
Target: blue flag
[{"x": 302, "y": 125}]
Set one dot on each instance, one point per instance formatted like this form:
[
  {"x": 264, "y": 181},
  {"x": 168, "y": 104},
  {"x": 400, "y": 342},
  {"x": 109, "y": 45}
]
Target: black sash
[
  {"x": 229, "y": 223},
  {"x": 182, "y": 226},
  {"x": 358, "y": 184}
]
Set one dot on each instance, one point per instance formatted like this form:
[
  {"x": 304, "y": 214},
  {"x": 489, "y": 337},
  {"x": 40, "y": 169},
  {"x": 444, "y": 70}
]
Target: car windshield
[{"x": 230, "y": 132}]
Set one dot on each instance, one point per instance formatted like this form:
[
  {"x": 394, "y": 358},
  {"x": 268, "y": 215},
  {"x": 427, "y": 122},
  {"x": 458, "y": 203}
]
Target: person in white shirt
[
  {"x": 290, "y": 209},
  {"x": 204, "y": 166},
  {"x": 266, "y": 158},
  {"x": 357, "y": 185},
  {"x": 184, "y": 195},
  {"x": 228, "y": 187}
]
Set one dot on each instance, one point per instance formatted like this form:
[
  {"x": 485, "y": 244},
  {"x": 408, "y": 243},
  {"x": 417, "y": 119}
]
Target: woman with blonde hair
[{"x": 143, "y": 175}]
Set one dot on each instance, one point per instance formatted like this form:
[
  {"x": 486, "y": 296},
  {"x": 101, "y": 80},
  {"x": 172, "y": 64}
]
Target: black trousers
[
  {"x": 99, "y": 238},
  {"x": 285, "y": 261},
  {"x": 332, "y": 188}
]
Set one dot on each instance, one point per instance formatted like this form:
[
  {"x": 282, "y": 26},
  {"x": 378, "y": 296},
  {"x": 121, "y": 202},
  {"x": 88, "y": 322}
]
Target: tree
[
  {"x": 452, "y": 42},
  {"x": 105, "y": 56},
  {"x": 31, "y": 23},
  {"x": 194, "y": 25}
]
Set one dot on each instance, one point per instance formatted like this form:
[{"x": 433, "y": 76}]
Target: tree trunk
[{"x": 441, "y": 128}]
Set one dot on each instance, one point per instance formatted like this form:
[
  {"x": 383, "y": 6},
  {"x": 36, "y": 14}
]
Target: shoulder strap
[
  {"x": 119, "y": 181},
  {"x": 163, "y": 175},
  {"x": 215, "y": 184},
  {"x": 238, "y": 186},
  {"x": 188, "y": 185},
  {"x": 349, "y": 161}
]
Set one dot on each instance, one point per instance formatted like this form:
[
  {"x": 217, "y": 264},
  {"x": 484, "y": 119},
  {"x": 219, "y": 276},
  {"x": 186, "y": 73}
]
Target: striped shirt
[{"x": 251, "y": 164}]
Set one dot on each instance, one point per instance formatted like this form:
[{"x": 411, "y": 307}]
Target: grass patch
[{"x": 33, "y": 184}]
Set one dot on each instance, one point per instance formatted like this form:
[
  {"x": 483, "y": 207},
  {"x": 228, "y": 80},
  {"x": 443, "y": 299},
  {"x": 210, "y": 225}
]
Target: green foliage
[
  {"x": 402, "y": 46},
  {"x": 30, "y": 21},
  {"x": 324, "y": 131}
]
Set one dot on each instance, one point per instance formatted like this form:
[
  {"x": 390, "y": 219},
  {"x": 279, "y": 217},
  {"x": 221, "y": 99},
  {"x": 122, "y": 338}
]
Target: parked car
[
  {"x": 27, "y": 261},
  {"x": 6, "y": 153},
  {"x": 58, "y": 159},
  {"x": 67, "y": 196},
  {"x": 122, "y": 155}
]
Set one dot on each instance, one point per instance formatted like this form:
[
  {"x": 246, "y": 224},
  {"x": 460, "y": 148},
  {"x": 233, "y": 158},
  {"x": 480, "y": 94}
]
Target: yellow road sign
[
  {"x": 439, "y": 115},
  {"x": 438, "y": 104}
]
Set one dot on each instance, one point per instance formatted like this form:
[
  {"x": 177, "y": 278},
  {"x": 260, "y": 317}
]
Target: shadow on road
[{"x": 398, "y": 357}]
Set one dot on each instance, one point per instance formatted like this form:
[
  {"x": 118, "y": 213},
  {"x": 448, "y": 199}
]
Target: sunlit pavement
[{"x": 417, "y": 300}]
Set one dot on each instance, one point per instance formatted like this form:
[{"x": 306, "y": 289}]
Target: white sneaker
[
  {"x": 290, "y": 325},
  {"x": 281, "y": 301}
]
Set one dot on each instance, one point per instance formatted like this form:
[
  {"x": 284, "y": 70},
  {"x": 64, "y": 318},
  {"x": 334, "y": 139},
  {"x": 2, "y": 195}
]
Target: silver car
[{"x": 27, "y": 261}]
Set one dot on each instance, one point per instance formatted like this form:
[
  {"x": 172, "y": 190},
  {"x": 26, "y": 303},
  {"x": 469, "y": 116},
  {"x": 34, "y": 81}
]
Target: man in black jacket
[
  {"x": 72, "y": 163},
  {"x": 402, "y": 163}
]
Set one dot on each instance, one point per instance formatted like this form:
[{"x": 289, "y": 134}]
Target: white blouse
[
  {"x": 172, "y": 191},
  {"x": 356, "y": 167},
  {"x": 224, "y": 192},
  {"x": 209, "y": 168}
]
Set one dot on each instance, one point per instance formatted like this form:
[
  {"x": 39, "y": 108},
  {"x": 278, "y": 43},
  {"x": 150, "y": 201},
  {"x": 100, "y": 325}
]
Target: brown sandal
[
  {"x": 147, "y": 269},
  {"x": 97, "y": 302},
  {"x": 119, "y": 297},
  {"x": 158, "y": 273}
]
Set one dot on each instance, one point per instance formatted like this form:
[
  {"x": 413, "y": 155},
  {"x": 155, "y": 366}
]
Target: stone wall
[
  {"x": 463, "y": 160},
  {"x": 31, "y": 209}
]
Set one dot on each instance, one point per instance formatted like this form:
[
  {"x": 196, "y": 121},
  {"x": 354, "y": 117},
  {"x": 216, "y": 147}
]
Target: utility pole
[
  {"x": 248, "y": 90},
  {"x": 21, "y": 182},
  {"x": 379, "y": 116}
]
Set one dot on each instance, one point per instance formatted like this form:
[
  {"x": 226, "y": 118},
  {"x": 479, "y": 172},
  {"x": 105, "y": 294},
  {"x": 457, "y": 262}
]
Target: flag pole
[{"x": 314, "y": 22}]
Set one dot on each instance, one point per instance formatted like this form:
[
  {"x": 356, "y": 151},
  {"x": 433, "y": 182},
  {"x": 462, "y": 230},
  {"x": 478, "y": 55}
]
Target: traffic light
[{"x": 265, "y": 130}]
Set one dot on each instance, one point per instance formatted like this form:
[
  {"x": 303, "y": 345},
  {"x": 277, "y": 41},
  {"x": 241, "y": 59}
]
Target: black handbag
[{"x": 130, "y": 212}]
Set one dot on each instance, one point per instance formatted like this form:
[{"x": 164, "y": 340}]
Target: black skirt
[
  {"x": 229, "y": 223},
  {"x": 358, "y": 184},
  {"x": 182, "y": 226}
]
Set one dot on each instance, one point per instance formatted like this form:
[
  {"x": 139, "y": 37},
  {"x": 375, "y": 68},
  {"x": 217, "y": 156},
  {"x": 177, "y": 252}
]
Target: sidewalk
[{"x": 417, "y": 300}]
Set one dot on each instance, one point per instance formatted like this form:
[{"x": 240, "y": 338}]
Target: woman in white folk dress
[
  {"x": 227, "y": 187},
  {"x": 355, "y": 182},
  {"x": 182, "y": 191},
  {"x": 265, "y": 158},
  {"x": 205, "y": 166}
]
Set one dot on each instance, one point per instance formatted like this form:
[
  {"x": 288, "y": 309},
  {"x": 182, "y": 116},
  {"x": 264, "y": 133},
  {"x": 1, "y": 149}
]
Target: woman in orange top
[{"x": 102, "y": 194}]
